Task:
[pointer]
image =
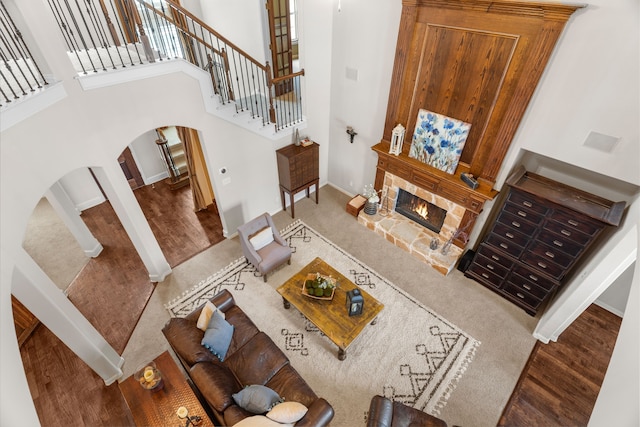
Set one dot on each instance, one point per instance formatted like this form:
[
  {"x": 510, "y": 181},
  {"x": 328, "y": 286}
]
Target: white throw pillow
[
  {"x": 205, "y": 315},
  {"x": 262, "y": 238},
  {"x": 259, "y": 421},
  {"x": 287, "y": 412}
]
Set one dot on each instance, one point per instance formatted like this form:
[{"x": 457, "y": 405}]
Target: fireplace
[
  {"x": 419, "y": 210},
  {"x": 426, "y": 241}
]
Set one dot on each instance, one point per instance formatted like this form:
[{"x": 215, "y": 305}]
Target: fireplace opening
[{"x": 419, "y": 210}]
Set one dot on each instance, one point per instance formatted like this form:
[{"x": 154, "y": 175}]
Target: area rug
[{"x": 411, "y": 354}]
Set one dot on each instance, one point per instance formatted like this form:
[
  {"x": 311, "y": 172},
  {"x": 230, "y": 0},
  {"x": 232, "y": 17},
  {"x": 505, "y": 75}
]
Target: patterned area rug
[{"x": 411, "y": 354}]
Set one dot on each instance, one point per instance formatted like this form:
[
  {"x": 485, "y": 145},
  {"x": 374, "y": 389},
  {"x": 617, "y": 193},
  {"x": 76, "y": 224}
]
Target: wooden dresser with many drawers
[{"x": 540, "y": 233}]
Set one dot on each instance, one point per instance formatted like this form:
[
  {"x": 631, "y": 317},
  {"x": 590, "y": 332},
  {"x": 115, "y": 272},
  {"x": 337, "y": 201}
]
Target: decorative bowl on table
[
  {"x": 150, "y": 377},
  {"x": 319, "y": 286}
]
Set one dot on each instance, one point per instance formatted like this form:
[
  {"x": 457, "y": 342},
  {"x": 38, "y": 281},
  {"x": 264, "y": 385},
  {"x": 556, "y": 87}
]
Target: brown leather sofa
[
  {"x": 252, "y": 358},
  {"x": 387, "y": 413}
]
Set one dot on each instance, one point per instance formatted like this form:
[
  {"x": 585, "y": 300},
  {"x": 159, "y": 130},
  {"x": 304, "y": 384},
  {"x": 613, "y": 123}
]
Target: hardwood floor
[
  {"x": 64, "y": 390},
  {"x": 561, "y": 380},
  {"x": 558, "y": 386}
]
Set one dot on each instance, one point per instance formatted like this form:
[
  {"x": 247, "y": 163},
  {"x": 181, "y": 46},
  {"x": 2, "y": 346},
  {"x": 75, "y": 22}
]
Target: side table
[{"x": 159, "y": 408}]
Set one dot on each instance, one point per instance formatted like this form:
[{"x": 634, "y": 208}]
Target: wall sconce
[
  {"x": 397, "y": 138},
  {"x": 351, "y": 133}
]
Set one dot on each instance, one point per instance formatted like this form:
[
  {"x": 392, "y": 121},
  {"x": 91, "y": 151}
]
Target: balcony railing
[
  {"x": 104, "y": 35},
  {"x": 20, "y": 75}
]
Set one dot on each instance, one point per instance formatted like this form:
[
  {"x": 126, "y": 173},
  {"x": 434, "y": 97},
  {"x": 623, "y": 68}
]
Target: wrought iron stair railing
[{"x": 103, "y": 35}]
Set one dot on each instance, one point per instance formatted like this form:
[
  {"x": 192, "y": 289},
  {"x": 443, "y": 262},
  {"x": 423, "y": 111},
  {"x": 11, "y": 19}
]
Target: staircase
[
  {"x": 173, "y": 153},
  {"x": 126, "y": 34}
]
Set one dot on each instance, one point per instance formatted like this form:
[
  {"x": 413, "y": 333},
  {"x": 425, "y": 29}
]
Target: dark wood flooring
[
  {"x": 561, "y": 380},
  {"x": 65, "y": 390},
  {"x": 558, "y": 386}
]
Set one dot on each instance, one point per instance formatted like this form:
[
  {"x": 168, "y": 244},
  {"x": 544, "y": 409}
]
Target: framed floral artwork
[{"x": 438, "y": 140}]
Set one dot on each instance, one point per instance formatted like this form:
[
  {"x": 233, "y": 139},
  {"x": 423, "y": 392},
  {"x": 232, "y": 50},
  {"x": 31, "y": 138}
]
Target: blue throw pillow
[
  {"x": 257, "y": 399},
  {"x": 217, "y": 337}
]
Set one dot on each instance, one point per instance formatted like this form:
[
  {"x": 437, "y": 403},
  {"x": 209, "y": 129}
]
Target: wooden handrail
[
  {"x": 180, "y": 9},
  {"x": 276, "y": 80}
]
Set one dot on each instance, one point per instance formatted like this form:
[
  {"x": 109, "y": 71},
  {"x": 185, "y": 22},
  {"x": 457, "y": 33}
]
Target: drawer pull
[
  {"x": 574, "y": 223},
  {"x": 504, "y": 246},
  {"x": 485, "y": 275},
  {"x": 534, "y": 278},
  {"x": 490, "y": 266},
  {"x": 565, "y": 232},
  {"x": 527, "y": 204},
  {"x": 550, "y": 254},
  {"x": 527, "y": 287},
  {"x": 558, "y": 243},
  {"x": 496, "y": 258},
  {"x": 509, "y": 235},
  {"x": 519, "y": 295},
  {"x": 523, "y": 214},
  {"x": 542, "y": 265},
  {"x": 515, "y": 224}
]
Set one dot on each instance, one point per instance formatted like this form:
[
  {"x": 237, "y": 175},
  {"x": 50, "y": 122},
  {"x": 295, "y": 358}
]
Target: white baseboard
[
  {"x": 94, "y": 252},
  {"x": 609, "y": 308},
  {"x": 90, "y": 203},
  {"x": 155, "y": 178},
  {"x": 340, "y": 189}
]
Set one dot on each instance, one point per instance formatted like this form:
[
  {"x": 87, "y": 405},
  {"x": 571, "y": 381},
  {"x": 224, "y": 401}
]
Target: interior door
[
  {"x": 130, "y": 169},
  {"x": 280, "y": 43}
]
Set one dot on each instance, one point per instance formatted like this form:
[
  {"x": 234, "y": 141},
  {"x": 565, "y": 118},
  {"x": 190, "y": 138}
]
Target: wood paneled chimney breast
[{"x": 477, "y": 61}]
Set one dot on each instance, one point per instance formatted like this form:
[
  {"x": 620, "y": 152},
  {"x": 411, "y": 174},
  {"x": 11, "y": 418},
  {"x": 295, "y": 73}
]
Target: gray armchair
[{"x": 262, "y": 244}]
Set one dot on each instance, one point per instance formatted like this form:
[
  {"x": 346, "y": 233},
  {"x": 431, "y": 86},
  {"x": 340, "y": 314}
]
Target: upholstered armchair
[
  {"x": 262, "y": 244},
  {"x": 387, "y": 413}
]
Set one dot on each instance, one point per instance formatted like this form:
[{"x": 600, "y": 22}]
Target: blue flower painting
[{"x": 438, "y": 140}]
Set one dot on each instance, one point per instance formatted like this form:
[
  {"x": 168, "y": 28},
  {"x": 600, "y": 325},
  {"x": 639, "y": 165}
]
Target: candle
[
  {"x": 149, "y": 375},
  {"x": 182, "y": 412}
]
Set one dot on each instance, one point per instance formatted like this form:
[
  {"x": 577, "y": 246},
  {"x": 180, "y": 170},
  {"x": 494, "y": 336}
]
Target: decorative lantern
[
  {"x": 397, "y": 137},
  {"x": 355, "y": 302}
]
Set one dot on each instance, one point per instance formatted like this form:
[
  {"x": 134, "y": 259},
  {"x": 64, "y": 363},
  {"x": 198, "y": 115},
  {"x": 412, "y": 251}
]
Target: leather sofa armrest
[
  {"x": 380, "y": 412},
  {"x": 320, "y": 414},
  {"x": 223, "y": 300}
]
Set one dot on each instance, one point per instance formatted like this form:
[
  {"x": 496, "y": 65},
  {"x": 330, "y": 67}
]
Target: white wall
[
  {"x": 591, "y": 83},
  {"x": 363, "y": 41},
  {"x": 616, "y": 297},
  {"x": 147, "y": 155},
  {"x": 246, "y": 33}
]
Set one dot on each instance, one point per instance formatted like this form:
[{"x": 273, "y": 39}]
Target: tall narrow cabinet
[
  {"x": 298, "y": 169},
  {"x": 541, "y": 231}
]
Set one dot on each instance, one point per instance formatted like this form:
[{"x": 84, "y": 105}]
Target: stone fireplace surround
[{"x": 409, "y": 235}]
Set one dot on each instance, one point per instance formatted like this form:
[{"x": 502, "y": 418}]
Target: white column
[
  {"x": 126, "y": 206},
  {"x": 47, "y": 302},
  {"x": 16, "y": 403},
  {"x": 614, "y": 256},
  {"x": 64, "y": 207}
]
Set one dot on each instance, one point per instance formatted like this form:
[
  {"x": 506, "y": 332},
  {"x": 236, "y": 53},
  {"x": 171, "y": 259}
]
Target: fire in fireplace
[{"x": 419, "y": 210}]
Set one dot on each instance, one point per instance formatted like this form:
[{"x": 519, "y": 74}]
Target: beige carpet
[
  {"x": 503, "y": 329},
  {"x": 411, "y": 354},
  {"x": 52, "y": 246}
]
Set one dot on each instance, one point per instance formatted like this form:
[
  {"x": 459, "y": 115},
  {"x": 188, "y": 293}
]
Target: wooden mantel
[
  {"x": 441, "y": 183},
  {"x": 478, "y": 61}
]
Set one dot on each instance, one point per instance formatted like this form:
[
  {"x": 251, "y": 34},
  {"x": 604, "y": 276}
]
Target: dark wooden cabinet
[
  {"x": 541, "y": 231},
  {"x": 298, "y": 169}
]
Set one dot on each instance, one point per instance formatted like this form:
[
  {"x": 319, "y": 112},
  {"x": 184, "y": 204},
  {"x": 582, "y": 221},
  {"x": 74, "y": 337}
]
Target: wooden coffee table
[
  {"x": 159, "y": 408},
  {"x": 330, "y": 317}
]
